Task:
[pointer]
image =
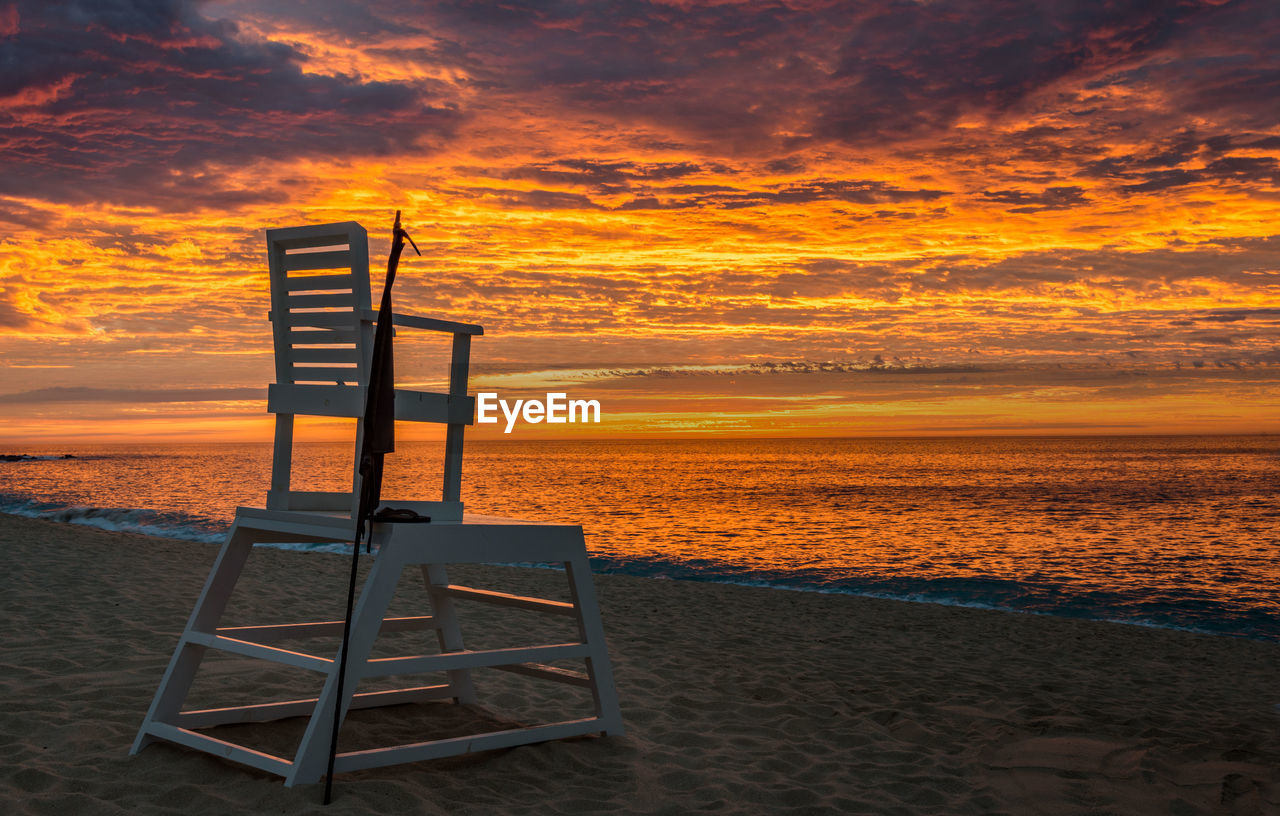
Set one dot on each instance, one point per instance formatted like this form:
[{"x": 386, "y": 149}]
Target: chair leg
[
  {"x": 448, "y": 630},
  {"x": 209, "y": 608},
  {"x": 591, "y": 631},
  {"x": 380, "y": 587}
]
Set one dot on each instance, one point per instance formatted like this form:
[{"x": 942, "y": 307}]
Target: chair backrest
[
  {"x": 319, "y": 285},
  {"x": 323, "y": 325}
]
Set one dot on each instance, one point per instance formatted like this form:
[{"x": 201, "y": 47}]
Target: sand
[{"x": 736, "y": 700}]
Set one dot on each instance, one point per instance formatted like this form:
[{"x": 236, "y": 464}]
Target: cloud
[
  {"x": 9, "y": 20},
  {"x": 1051, "y": 198},
  {"x": 1236, "y": 315},
  {"x": 758, "y": 78},
  {"x": 854, "y": 191},
  {"x": 11, "y": 317},
  {"x": 595, "y": 173},
  {"x": 1251, "y": 170},
  {"x": 533, "y": 199},
  {"x": 656, "y": 182},
  {"x": 131, "y": 395},
  {"x": 906, "y": 68},
  {"x": 151, "y": 103}
]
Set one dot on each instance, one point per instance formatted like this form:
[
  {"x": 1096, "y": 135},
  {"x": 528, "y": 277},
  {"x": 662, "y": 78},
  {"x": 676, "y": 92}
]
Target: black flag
[{"x": 379, "y": 439}]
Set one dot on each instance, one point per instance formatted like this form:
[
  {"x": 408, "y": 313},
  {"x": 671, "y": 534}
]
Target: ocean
[{"x": 1177, "y": 532}]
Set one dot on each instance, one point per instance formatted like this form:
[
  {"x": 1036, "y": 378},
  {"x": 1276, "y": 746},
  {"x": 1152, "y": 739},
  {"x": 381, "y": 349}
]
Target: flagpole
[{"x": 377, "y": 440}]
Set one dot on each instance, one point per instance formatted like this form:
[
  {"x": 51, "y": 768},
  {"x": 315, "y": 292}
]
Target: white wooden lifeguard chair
[{"x": 323, "y": 327}]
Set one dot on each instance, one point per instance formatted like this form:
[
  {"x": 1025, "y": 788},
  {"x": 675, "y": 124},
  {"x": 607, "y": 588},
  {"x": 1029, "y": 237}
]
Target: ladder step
[
  {"x": 284, "y": 631},
  {"x": 448, "y": 661},
  {"x": 416, "y": 752},
  {"x": 248, "y": 649},
  {"x": 264, "y": 712},
  {"x": 546, "y": 672},
  {"x": 504, "y": 599},
  {"x": 236, "y": 753}
]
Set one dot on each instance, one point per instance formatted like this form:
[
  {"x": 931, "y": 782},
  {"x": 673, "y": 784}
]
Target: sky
[{"x": 718, "y": 219}]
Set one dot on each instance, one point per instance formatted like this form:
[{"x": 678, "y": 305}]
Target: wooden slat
[
  {"x": 322, "y": 320},
  {"x": 322, "y": 501},
  {"x": 424, "y": 406},
  {"x": 324, "y": 374},
  {"x": 285, "y": 631},
  {"x": 247, "y": 649},
  {"x": 312, "y": 336},
  {"x": 348, "y": 401},
  {"x": 309, "y": 500},
  {"x": 305, "y": 261},
  {"x": 290, "y": 525},
  {"x": 553, "y": 673},
  {"x": 316, "y": 235},
  {"x": 421, "y": 664},
  {"x": 235, "y": 753},
  {"x": 416, "y": 752},
  {"x": 265, "y": 712},
  {"x": 334, "y": 354},
  {"x": 504, "y": 599},
  {"x": 345, "y": 300},
  {"x": 428, "y": 323},
  {"x": 309, "y": 283},
  {"x": 316, "y": 400}
]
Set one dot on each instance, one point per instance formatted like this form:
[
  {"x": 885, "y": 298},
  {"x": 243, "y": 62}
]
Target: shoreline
[
  {"x": 109, "y": 520},
  {"x": 736, "y": 699}
]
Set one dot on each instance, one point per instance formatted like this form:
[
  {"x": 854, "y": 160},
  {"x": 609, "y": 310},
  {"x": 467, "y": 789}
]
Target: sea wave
[
  {"x": 144, "y": 521},
  {"x": 119, "y": 519}
]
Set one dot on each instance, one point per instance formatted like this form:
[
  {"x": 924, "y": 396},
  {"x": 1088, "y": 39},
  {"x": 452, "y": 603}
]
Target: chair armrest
[
  {"x": 428, "y": 323},
  {"x": 348, "y": 401}
]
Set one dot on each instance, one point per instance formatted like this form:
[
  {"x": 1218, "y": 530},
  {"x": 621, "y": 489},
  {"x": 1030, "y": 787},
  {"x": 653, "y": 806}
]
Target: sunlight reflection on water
[{"x": 1177, "y": 531}]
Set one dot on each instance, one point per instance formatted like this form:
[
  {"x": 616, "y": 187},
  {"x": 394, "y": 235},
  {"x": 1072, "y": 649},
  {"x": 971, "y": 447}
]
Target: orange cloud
[{"x": 648, "y": 187}]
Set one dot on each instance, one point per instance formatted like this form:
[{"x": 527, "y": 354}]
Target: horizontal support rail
[
  {"x": 314, "y": 500},
  {"x": 429, "y": 406},
  {"x": 553, "y": 673},
  {"x": 503, "y": 599},
  {"x": 447, "y": 661},
  {"x": 285, "y": 631},
  {"x": 416, "y": 752},
  {"x": 322, "y": 500},
  {"x": 236, "y": 753},
  {"x": 265, "y": 712},
  {"x": 428, "y": 323},
  {"x": 348, "y": 400},
  {"x": 257, "y": 650},
  {"x": 316, "y": 400}
]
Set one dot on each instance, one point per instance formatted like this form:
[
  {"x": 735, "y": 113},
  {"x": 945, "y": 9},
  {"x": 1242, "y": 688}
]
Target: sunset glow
[{"x": 779, "y": 219}]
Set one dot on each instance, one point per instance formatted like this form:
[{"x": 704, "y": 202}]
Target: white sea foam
[{"x": 115, "y": 519}]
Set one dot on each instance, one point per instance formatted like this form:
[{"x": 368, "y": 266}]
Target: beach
[{"x": 736, "y": 700}]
